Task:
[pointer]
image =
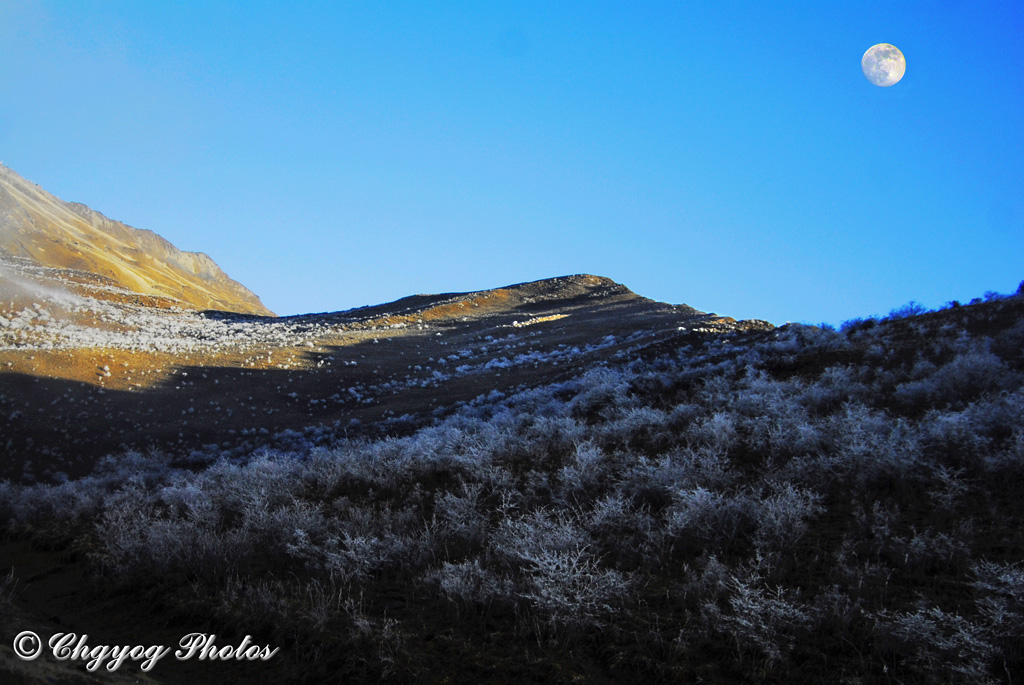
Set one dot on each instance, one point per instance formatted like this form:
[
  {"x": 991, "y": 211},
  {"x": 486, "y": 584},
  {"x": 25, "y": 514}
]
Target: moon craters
[{"x": 883, "y": 64}]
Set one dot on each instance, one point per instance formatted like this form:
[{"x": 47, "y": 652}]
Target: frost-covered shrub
[
  {"x": 835, "y": 386},
  {"x": 638, "y": 428},
  {"x": 600, "y": 390},
  {"x": 255, "y": 605},
  {"x": 682, "y": 415},
  {"x": 362, "y": 544},
  {"x": 871, "y": 447},
  {"x": 999, "y": 591},
  {"x": 782, "y": 435},
  {"x": 523, "y": 539},
  {"x": 755, "y": 616},
  {"x": 968, "y": 375},
  {"x": 717, "y": 431},
  {"x": 68, "y": 503},
  {"x": 857, "y": 324},
  {"x": 786, "y": 341},
  {"x": 763, "y": 395},
  {"x": 953, "y": 438},
  {"x": 1009, "y": 344},
  {"x": 8, "y": 583},
  {"x": 623, "y": 533},
  {"x": 361, "y": 556},
  {"x": 558, "y": 574},
  {"x": 188, "y": 499},
  {"x": 716, "y": 388},
  {"x": 540, "y": 443},
  {"x": 950, "y": 487},
  {"x": 583, "y": 476},
  {"x": 699, "y": 517},
  {"x": 470, "y": 582},
  {"x": 572, "y": 589},
  {"x": 266, "y": 481},
  {"x": 135, "y": 543},
  {"x": 460, "y": 517},
  {"x": 1008, "y": 461},
  {"x": 654, "y": 480},
  {"x": 910, "y": 309},
  {"x": 930, "y": 550},
  {"x": 939, "y": 646},
  {"x": 783, "y": 516},
  {"x": 835, "y": 610},
  {"x": 610, "y": 514}
]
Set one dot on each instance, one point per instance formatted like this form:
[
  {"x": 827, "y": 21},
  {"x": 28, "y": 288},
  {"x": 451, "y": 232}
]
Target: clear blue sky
[{"x": 726, "y": 155}]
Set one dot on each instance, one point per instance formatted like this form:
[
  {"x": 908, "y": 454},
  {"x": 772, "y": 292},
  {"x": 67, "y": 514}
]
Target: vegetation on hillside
[{"x": 801, "y": 505}]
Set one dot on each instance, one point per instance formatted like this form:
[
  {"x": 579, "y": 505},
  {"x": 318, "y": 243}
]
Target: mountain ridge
[
  {"x": 39, "y": 226},
  {"x": 105, "y": 325}
]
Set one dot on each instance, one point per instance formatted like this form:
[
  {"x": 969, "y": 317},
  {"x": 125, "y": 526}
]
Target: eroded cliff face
[{"x": 38, "y": 226}]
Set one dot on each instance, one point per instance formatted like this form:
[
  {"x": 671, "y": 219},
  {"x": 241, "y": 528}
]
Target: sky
[{"x": 726, "y": 155}]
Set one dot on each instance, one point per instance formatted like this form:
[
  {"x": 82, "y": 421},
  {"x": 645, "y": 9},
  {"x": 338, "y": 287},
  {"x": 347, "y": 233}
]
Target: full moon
[{"x": 883, "y": 64}]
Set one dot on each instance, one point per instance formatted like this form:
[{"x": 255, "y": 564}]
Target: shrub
[
  {"x": 700, "y": 519},
  {"x": 938, "y": 646},
  {"x": 967, "y": 376},
  {"x": 8, "y": 583},
  {"x": 906, "y": 311},
  {"x": 572, "y": 589},
  {"x": 758, "y": 618},
  {"x": 470, "y": 582},
  {"x": 999, "y": 590}
]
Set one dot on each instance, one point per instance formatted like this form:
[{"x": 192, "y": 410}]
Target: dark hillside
[{"x": 797, "y": 505}]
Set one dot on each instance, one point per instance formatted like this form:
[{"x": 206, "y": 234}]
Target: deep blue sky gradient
[{"x": 727, "y": 155}]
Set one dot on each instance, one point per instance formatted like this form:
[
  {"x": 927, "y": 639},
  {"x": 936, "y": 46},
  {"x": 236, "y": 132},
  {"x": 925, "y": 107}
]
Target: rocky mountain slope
[
  {"x": 111, "y": 338},
  {"x": 46, "y": 232},
  {"x": 551, "y": 481},
  {"x": 81, "y": 377},
  {"x": 571, "y": 489}
]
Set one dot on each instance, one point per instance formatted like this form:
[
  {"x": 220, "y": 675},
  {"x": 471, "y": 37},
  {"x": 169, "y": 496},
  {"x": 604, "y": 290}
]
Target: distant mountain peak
[{"x": 38, "y": 226}]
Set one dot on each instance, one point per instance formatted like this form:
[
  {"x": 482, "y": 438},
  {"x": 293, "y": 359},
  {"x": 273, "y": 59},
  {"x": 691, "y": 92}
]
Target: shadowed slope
[{"x": 80, "y": 378}]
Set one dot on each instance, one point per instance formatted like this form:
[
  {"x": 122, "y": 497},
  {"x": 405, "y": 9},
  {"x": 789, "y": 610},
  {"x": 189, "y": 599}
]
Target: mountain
[
  {"x": 122, "y": 372},
  {"x": 112, "y": 338},
  {"x": 550, "y": 481},
  {"x": 47, "y": 232}
]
